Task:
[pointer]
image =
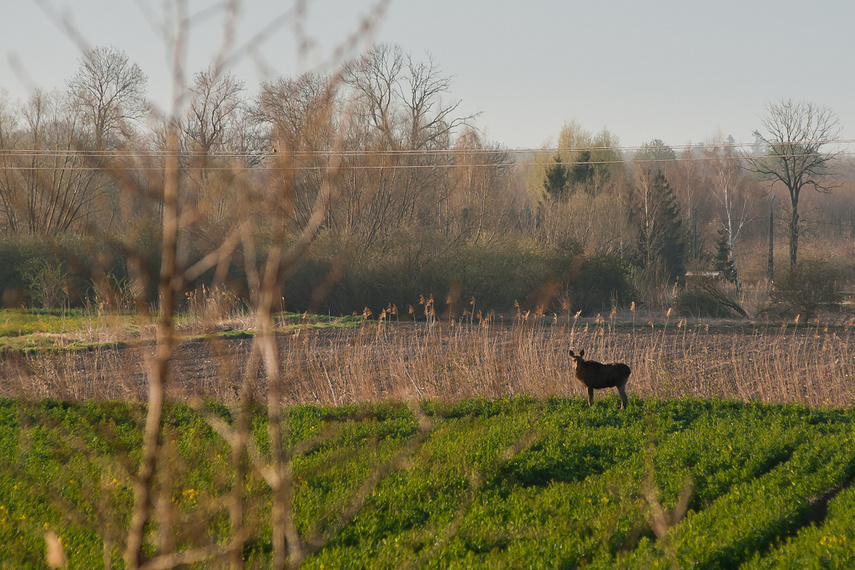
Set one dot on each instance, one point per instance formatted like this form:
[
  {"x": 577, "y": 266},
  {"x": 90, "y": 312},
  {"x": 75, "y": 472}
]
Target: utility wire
[
  {"x": 455, "y": 157},
  {"x": 699, "y": 147}
]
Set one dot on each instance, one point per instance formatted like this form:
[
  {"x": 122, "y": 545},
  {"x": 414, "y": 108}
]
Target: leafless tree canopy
[
  {"x": 47, "y": 186},
  {"x": 795, "y": 133},
  {"x": 109, "y": 91},
  {"x": 733, "y": 188},
  {"x": 214, "y": 111}
]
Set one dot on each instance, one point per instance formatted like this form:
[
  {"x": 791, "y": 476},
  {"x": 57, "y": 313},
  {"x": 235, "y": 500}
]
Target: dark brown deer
[{"x": 596, "y": 375}]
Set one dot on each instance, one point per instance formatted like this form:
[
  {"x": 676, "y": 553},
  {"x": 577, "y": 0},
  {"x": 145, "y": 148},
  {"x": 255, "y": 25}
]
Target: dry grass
[
  {"x": 811, "y": 365},
  {"x": 772, "y": 364}
]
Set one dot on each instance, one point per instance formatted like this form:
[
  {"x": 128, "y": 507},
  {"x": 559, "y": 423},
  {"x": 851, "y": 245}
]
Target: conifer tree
[
  {"x": 723, "y": 261},
  {"x": 557, "y": 178},
  {"x": 661, "y": 238}
]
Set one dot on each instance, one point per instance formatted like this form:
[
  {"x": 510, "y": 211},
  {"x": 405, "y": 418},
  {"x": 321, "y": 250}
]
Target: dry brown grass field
[{"x": 771, "y": 363}]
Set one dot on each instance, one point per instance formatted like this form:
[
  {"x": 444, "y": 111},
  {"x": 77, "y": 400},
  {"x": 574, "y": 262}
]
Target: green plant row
[
  {"x": 755, "y": 514},
  {"x": 829, "y": 545},
  {"x": 482, "y": 483}
]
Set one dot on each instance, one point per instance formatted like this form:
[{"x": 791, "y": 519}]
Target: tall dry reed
[
  {"x": 811, "y": 365},
  {"x": 814, "y": 365}
]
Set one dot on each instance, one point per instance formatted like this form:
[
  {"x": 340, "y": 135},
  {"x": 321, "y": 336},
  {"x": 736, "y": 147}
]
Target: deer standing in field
[{"x": 596, "y": 375}]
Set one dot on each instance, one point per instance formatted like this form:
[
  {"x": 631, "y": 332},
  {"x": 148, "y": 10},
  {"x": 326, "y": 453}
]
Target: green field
[
  {"x": 483, "y": 483},
  {"x": 39, "y": 331}
]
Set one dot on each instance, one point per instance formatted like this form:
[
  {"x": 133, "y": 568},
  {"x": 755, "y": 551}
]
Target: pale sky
[{"x": 683, "y": 71}]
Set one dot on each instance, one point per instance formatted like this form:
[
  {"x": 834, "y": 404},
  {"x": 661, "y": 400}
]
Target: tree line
[{"x": 385, "y": 189}]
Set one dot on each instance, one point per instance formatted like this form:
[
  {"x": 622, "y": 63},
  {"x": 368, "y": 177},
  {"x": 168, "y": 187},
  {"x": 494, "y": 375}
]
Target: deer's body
[{"x": 596, "y": 376}]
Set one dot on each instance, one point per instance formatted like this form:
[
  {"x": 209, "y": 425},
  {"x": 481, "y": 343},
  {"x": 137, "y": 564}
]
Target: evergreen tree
[
  {"x": 662, "y": 241},
  {"x": 723, "y": 262},
  {"x": 583, "y": 170},
  {"x": 674, "y": 244},
  {"x": 557, "y": 178}
]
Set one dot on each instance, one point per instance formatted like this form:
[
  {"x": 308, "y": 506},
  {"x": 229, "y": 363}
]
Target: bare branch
[{"x": 794, "y": 157}]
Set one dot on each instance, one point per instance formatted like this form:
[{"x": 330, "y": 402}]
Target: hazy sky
[{"x": 679, "y": 70}]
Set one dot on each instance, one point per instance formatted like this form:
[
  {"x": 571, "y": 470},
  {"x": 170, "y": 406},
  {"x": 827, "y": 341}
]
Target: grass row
[
  {"x": 490, "y": 483},
  {"x": 35, "y": 331},
  {"x": 44, "y": 331}
]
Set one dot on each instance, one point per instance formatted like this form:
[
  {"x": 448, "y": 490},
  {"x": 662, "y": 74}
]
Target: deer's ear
[{"x": 581, "y": 353}]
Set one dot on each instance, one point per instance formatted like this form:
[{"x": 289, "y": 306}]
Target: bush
[
  {"x": 805, "y": 288},
  {"x": 47, "y": 282},
  {"x": 599, "y": 283},
  {"x": 694, "y": 302},
  {"x": 708, "y": 297},
  {"x": 410, "y": 265},
  {"x": 46, "y": 271}
]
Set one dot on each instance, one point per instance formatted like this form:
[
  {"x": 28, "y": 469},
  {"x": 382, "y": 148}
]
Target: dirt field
[{"x": 334, "y": 366}]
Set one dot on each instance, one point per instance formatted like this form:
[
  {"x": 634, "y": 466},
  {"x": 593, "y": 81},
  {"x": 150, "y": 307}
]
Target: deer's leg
[
  {"x": 590, "y": 396},
  {"x": 622, "y": 391}
]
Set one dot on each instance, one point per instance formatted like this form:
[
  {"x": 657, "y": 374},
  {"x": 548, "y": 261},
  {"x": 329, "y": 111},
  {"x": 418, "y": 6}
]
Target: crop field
[
  {"x": 434, "y": 444},
  {"x": 482, "y": 483}
]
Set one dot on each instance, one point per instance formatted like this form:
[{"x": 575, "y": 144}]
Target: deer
[{"x": 596, "y": 375}]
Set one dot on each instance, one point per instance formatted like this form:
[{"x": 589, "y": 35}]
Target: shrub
[
  {"x": 805, "y": 288},
  {"x": 600, "y": 282},
  {"x": 708, "y": 297},
  {"x": 49, "y": 271},
  {"x": 414, "y": 264},
  {"x": 46, "y": 282},
  {"x": 694, "y": 302}
]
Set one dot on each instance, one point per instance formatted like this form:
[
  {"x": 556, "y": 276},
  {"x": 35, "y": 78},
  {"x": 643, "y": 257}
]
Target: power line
[
  {"x": 516, "y": 156},
  {"x": 444, "y": 151},
  {"x": 489, "y": 150}
]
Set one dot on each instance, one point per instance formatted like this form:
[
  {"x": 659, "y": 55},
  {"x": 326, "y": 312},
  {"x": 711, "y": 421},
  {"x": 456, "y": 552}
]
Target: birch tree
[{"x": 732, "y": 187}]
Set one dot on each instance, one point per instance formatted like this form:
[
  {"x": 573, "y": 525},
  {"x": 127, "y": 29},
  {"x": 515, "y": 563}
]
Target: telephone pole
[{"x": 771, "y": 242}]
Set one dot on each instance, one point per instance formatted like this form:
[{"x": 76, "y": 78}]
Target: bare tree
[
  {"x": 45, "y": 185},
  {"x": 110, "y": 92},
  {"x": 374, "y": 77},
  {"x": 481, "y": 202},
  {"x": 10, "y": 140},
  {"x": 797, "y": 132},
  {"x": 731, "y": 186},
  {"x": 213, "y": 140},
  {"x": 297, "y": 117},
  {"x": 214, "y": 109},
  {"x": 687, "y": 177},
  {"x": 429, "y": 120},
  {"x": 286, "y": 248},
  {"x": 405, "y": 124}
]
